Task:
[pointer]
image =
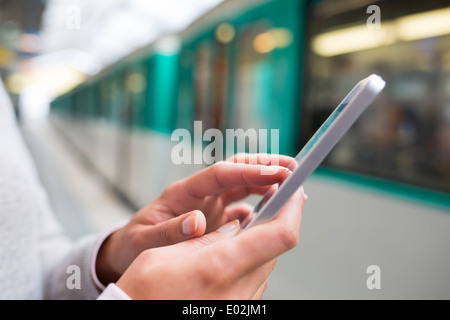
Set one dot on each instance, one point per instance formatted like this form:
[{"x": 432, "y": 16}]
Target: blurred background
[{"x": 99, "y": 86}]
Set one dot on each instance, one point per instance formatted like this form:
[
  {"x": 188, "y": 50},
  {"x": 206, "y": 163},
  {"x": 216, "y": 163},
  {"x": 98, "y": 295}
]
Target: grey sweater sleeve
[
  {"x": 66, "y": 265},
  {"x": 38, "y": 260}
]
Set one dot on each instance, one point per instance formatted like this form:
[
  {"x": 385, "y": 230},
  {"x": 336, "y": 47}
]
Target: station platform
[{"x": 81, "y": 199}]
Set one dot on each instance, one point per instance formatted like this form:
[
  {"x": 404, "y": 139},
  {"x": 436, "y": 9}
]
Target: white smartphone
[{"x": 316, "y": 149}]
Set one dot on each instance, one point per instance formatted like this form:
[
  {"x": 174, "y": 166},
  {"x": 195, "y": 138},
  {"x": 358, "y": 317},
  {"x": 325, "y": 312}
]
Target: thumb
[
  {"x": 168, "y": 253},
  {"x": 226, "y": 231},
  {"x": 178, "y": 229}
]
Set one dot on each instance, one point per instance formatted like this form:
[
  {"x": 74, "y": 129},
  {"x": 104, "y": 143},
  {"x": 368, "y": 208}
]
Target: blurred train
[{"x": 280, "y": 64}]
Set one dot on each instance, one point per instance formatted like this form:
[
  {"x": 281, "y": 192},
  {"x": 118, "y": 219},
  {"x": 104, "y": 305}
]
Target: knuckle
[
  {"x": 173, "y": 187},
  {"x": 145, "y": 256},
  {"x": 134, "y": 235},
  {"x": 218, "y": 171},
  {"x": 164, "y": 234},
  {"x": 239, "y": 157},
  {"x": 176, "y": 186},
  {"x": 202, "y": 241},
  {"x": 219, "y": 165},
  {"x": 288, "y": 236}
]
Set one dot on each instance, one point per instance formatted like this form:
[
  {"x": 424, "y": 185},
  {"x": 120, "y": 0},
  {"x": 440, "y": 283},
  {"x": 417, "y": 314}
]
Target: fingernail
[
  {"x": 305, "y": 196},
  {"x": 270, "y": 170},
  {"x": 230, "y": 227},
  {"x": 190, "y": 224}
]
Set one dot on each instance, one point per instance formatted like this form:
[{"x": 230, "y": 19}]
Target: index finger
[
  {"x": 225, "y": 175},
  {"x": 262, "y": 158}
]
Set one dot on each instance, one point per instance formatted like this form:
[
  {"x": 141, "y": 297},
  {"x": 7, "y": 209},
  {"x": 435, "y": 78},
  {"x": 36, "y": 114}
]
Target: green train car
[
  {"x": 262, "y": 65},
  {"x": 242, "y": 71},
  {"x": 381, "y": 197}
]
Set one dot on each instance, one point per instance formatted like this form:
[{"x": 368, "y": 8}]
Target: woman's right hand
[{"x": 224, "y": 264}]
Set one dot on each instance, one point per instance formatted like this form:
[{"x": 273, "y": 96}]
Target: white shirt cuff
[
  {"x": 113, "y": 292},
  {"x": 102, "y": 239}
]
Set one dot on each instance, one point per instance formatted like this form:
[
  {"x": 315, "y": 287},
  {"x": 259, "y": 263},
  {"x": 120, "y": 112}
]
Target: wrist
[{"x": 104, "y": 264}]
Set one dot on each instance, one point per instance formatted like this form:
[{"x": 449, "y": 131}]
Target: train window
[
  {"x": 136, "y": 87},
  {"x": 105, "y": 94},
  {"x": 253, "y": 79},
  {"x": 203, "y": 78},
  {"x": 97, "y": 97},
  {"x": 91, "y": 100},
  {"x": 161, "y": 91},
  {"x": 117, "y": 98},
  {"x": 221, "y": 73},
  {"x": 185, "y": 92},
  {"x": 404, "y": 136}
]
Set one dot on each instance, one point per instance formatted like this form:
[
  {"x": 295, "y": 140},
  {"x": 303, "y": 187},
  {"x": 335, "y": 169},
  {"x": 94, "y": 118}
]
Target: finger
[
  {"x": 226, "y": 231},
  {"x": 259, "y": 293},
  {"x": 270, "y": 191},
  {"x": 178, "y": 229},
  {"x": 264, "y": 242},
  {"x": 262, "y": 158},
  {"x": 239, "y": 193},
  {"x": 225, "y": 175},
  {"x": 257, "y": 280},
  {"x": 253, "y": 284},
  {"x": 168, "y": 253},
  {"x": 265, "y": 159},
  {"x": 239, "y": 211}
]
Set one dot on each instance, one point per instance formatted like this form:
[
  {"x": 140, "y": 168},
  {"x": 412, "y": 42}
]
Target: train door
[
  {"x": 136, "y": 84},
  {"x": 203, "y": 83},
  {"x": 265, "y": 75},
  {"x": 252, "y": 90},
  {"x": 400, "y": 137},
  {"x": 124, "y": 127}
]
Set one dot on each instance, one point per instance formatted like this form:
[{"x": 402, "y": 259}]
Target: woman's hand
[
  {"x": 189, "y": 208},
  {"x": 224, "y": 264}
]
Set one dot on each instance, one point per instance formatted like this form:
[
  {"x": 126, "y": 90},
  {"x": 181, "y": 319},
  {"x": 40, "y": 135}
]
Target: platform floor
[{"x": 81, "y": 199}]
